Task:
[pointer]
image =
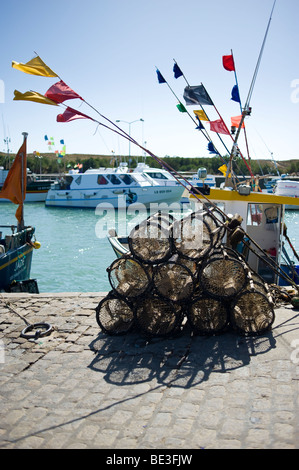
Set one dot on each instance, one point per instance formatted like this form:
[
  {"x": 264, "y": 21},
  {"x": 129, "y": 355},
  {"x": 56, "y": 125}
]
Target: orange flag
[
  {"x": 12, "y": 188},
  {"x": 236, "y": 121}
]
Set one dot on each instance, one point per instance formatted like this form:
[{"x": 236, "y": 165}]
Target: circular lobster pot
[
  {"x": 155, "y": 316},
  {"x": 173, "y": 281},
  {"x": 192, "y": 237},
  {"x": 128, "y": 277},
  {"x": 150, "y": 242},
  {"x": 222, "y": 277},
  {"x": 114, "y": 315},
  {"x": 252, "y": 313},
  {"x": 207, "y": 316}
]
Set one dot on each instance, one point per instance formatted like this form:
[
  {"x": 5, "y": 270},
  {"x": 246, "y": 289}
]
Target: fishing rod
[{"x": 247, "y": 110}]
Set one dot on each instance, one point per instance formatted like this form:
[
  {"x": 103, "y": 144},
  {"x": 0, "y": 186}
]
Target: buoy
[
  {"x": 36, "y": 245},
  {"x": 295, "y": 302}
]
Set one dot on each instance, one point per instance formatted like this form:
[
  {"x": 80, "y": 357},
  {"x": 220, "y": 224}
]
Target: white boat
[
  {"x": 289, "y": 188},
  {"x": 115, "y": 187}
]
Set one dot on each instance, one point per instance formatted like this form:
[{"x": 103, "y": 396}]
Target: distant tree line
[{"x": 50, "y": 164}]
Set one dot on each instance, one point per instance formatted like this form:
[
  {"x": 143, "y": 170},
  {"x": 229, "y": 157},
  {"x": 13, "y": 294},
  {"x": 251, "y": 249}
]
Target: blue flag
[
  {"x": 177, "y": 71},
  {"x": 211, "y": 148},
  {"x": 161, "y": 79},
  {"x": 235, "y": 94},
  {"x": 200, "y": 126}
]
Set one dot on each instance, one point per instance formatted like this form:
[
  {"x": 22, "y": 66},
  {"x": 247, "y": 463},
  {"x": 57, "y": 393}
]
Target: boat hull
[
  {"x": 15, "y": 265},
  {"x": 143, "y": 197}
]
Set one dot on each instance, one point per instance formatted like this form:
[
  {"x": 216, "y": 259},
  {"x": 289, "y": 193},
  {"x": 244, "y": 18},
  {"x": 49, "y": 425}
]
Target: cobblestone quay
[{"x": 79, "y": 388}]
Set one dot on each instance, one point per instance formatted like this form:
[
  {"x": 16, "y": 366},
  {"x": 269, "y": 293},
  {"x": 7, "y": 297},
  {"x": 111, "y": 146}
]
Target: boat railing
[{"x": 13, "y": 241}]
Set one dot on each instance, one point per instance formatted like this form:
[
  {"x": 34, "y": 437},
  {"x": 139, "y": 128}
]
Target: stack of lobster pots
[{"x": 178, "y": 273}]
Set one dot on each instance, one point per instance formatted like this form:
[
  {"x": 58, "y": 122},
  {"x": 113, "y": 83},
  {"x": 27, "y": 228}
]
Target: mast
[
  {"x": 247, "y": 110},
  {"x": 24, "y": 172}
]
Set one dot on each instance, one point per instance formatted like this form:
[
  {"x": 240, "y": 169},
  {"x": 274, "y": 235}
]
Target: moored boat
[
  {"x": 115, "y": 187},
  {"x": 16, "y": 242},
  {"x": 36, "y": 189}
]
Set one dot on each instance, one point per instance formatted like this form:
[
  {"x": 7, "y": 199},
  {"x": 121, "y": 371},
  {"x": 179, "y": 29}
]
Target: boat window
[
  {"x": 126, "y": 179},
  {"x": 157, "y": 175},
  {"x": 102, "y": 180},
  {"x": 78, "y": 180},
  {"x": 114, "y": 179}
]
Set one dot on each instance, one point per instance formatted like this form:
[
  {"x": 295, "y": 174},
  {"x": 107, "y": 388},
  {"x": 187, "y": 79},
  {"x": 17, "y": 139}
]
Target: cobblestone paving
[{"x": 79, "y": 388}]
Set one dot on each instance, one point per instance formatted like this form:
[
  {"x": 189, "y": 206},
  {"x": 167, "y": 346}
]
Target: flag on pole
[
  {"x": 200, "y": 114},
  {"x": 32, "y": 96},
  {"x": 61, "y": 92},
  {"x": 228, "y": 63},
  {"x": 197, "y": 95},
  {"x": 200, "y": 126},
  {"x": 14, "y": 187},
  {"x": 70, "y": 115},
  {"x": 211, "y": 148},
  {"x": 35, "y": 66},
  {"x": 223, "y": 170},
  {"x": 181, "y": 108},
  {"x": 235, "y": 94},
  {"x": 177, "y": 71},
  {"x": 219, "y": 127},
  {"x": 235, "y": 121},
  {"x": 161, "y": 79}
]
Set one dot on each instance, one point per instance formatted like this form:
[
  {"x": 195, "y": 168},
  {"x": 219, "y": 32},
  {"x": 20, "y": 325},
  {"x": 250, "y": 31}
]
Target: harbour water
[{"x": 75, "y": 252}]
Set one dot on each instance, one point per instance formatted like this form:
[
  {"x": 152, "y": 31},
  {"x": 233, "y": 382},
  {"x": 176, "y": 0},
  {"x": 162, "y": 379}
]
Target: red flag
[
  {"x": 60, "y": 92},
  {"x": 71, "y": 114},
  {"x": 228, "y": 63},
  {"x": 236, "y": 121},
  {"x": 219, "y": 127},
  {"x": 12, "y": 187}
]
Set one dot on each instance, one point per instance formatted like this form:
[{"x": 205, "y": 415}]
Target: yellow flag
[
  {"x": 201, "y": 115},
  {"x": 223, "y": 170},
  {"x": 35, "y": 66},
  {"x": 33, "y": 96}
]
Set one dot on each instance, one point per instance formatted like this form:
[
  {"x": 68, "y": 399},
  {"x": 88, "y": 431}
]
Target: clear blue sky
[{"x": 107, "y": 51}]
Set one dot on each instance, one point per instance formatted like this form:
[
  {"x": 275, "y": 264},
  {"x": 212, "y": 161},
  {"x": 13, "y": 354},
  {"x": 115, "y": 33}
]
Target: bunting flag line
[
  {"x": 33, "y": 96},
  {"x": 60, "y": 92},
  {"x": 35, "y": 66},
  {"x": 197, "y": 95},
  {"x": 219, "y": 127},
  {"x": 177, "y": 71},
  {"x": 161, "y": 79},
  {"x": 12, "y": 187},
  {"x": 71, "y": 114},
  {"x": 228, "y": 63},
  {"x": 235, "y": 94},
  {"x": 235, "y": 121},
  {"x": 181, "y": 108},
  {"x": 201, "y": 114}
]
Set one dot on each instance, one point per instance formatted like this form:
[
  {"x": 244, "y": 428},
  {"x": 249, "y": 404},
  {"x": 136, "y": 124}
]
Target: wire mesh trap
[
  {"x": 252, "y": 313},
  {"x": 174, "y": 281},
  {"x": 192, "y": 236},
  {"x": 150, "y": 242},
  {"x": 223, "y": 277},
  {"x": 128, "y": 278},
  {"x": 114, "y": 315},
  {"x": 157, "y": 317},
  {"x": 207, "y": 315}
]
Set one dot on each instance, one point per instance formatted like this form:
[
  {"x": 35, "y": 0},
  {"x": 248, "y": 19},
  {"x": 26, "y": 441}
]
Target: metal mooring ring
[{"x": 38, "y": 334}]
